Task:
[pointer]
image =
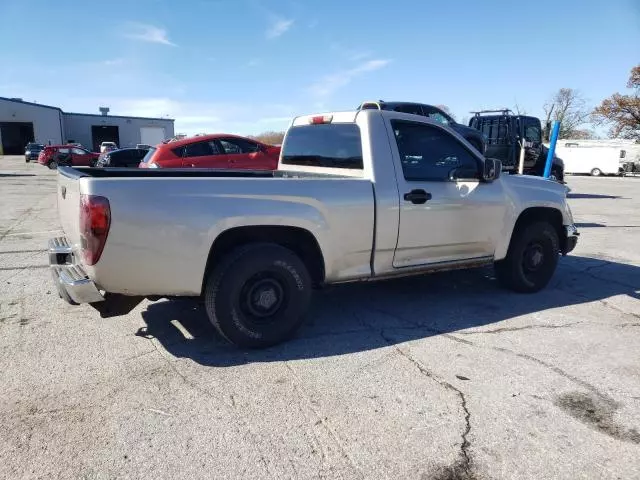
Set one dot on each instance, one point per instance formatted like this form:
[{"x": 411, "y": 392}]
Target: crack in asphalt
[
  {"x": 516, "y": 329},
  {"x": 524, "y": 356},
  {"x": 465, "y": 443}
]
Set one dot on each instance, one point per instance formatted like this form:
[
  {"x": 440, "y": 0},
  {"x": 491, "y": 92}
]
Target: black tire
[
  {"x": 26, "y": 159},
  {"x": 238, "y": 291},
  {"x": 53, "y": 165},
  {"x": 531, "y": 259}
]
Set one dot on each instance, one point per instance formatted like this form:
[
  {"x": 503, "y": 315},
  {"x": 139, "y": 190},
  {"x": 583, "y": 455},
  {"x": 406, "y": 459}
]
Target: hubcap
[
  {"x": 262, "y": 296},
  {"x": 533, "y": 257}
]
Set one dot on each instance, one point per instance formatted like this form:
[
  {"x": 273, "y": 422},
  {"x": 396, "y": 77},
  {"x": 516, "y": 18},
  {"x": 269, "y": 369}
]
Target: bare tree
[
  {"x": 270, "y": 138},
  {"x": 519, "y": 110},
  {"x": 567, "y": 106},
  {"x": 622, "y": 112}
]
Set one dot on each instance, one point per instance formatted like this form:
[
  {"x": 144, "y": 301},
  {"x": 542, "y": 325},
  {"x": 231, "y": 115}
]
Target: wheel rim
[
  {"x": 262, "y": 297},
  {"x": 595, "y": 172},
  {"x": 53, "y": 165},
  {"x": 533, "y": 259}
]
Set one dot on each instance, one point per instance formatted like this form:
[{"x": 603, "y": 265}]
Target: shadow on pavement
[
  {"x": 17, "y": 175},
  {"x": 360, "y": 317}
]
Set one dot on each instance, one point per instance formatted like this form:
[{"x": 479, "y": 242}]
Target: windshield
[{"x": 330, "y": 146}]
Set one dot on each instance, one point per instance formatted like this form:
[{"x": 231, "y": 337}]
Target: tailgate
[{"x": 68, "y": 196}]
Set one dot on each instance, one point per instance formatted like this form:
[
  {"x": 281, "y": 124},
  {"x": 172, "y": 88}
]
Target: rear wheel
[
  {"x": 531, "y": 260},
  {"x": 258, "y": 295},
  {"x": 596, "y": 172}
]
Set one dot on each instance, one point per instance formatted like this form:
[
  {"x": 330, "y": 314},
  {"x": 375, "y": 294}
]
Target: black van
[{"x": 504, "y": 131}]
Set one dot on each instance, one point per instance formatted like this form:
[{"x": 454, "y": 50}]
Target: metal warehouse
[{"x": 23, "y": 122}]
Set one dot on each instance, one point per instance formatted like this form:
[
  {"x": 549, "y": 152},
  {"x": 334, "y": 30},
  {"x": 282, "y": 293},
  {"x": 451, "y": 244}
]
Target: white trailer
[{"x": 592, "y": 160}]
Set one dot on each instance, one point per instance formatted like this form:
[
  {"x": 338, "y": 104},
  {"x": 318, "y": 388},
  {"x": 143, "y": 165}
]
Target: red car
[
  {"x": 213, "y": 151},
  {"x": 54, "y": 155}
]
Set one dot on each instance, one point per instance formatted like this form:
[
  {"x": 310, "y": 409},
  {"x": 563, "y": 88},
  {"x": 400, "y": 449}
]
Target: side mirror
[{"x": 492, "y": 169}]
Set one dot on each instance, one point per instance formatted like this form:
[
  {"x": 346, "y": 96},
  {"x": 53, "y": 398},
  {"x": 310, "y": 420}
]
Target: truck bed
[
  {"x": 81, "y": 172},
  {"x": 165, "y": 221}
]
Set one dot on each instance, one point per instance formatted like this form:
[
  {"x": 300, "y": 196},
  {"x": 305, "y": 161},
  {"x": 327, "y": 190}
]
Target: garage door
[{"x": 151, "y": 135}]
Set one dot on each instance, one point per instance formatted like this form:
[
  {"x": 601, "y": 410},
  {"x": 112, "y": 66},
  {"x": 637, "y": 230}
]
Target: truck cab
[{"x": 505, "y": 133}]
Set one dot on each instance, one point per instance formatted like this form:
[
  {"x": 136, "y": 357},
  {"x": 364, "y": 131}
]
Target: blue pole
[{"x": 552, "y": 149}]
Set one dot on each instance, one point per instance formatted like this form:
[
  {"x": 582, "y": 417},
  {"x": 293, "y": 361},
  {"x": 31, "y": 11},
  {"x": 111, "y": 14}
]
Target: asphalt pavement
[{"x": 445, "y": 376}]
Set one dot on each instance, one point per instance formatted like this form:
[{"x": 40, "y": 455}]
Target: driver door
[{"x": 446, "y": 213}]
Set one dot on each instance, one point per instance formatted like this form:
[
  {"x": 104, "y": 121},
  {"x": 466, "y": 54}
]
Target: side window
[
  {"x": 532, "y": 131},
  {"x": 429, "y": 154},
  {"x": 63, "y": 151},
  {"x": 78, "y": 151},
  {"x": 238, "y": 145},
  {"x": 435, "y": 115},
  {"x": 179, "y": 152},
  {"x": 200, "y": 149}
]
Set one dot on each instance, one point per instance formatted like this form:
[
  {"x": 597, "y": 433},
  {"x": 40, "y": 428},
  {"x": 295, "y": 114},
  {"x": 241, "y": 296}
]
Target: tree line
[{"x": 620, "y": 113}]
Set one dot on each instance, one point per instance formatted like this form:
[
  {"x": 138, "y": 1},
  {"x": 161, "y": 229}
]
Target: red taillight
[
  {"x": 320, "y": 119},
  {"x": 95, "y": 220}
]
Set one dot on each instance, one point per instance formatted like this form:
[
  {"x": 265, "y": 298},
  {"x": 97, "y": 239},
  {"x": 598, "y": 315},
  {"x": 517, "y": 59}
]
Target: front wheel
[
  {"x": 531, "y": 260},
  {"x": 596, "y": 172},
  {"x": 258, "y": 295},
  {"x": 53, "y": 165}
]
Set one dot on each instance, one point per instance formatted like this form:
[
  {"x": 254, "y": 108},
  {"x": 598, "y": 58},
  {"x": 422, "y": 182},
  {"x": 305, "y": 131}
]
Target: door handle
[{"x": 417, "y": 196}]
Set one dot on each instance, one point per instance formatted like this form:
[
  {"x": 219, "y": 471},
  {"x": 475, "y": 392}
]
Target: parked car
[
  {"x": 124, "y": 157},
  {"x": 108, "y": 147},
  {"x": 357, "y": 196},
  {"x": 54, "y": 155},
  {"x": 32, "y": 150},
  {"x": 505, "y": 132},
  {"x": 471, "y": 135},
  {"x": 213, "y": 151}
]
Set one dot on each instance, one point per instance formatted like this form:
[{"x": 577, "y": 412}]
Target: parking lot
[{"x": 440, "y": 377}]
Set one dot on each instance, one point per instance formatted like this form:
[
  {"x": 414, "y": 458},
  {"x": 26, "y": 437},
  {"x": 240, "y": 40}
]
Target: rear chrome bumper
[
  {"x": 571, "y": 238},
  {"x": 73, "y": 284}
]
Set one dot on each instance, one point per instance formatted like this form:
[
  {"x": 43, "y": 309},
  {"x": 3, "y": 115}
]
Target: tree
[
  {"x": 622, "y": 112},
  {"x": 567, "y": 106},
  {"x": 270, "y": 138}
]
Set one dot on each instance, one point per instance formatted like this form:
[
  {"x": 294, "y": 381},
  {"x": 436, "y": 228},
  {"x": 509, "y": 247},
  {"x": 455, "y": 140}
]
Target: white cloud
[
  {"x": 328, "y": 84},
  {"x": 195, "y": 117},
  {"x": 278, "y": 26},
  {"x": 148, "y": 33}
]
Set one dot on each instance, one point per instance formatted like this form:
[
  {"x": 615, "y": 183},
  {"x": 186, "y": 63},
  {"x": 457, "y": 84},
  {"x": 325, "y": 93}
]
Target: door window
[
  {"x": 532, "y": 131},
  {"x": 201, "y": 149},
  {"x": 237, "y": 145},
  {"x": 428, "y": 153},
  {"x": 78, "y": 151},
  {"x": 436, "y": 115}
]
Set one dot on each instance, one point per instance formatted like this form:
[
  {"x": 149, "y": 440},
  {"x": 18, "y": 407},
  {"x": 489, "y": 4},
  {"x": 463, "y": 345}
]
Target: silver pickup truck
[{"x": 357, "y": 196}]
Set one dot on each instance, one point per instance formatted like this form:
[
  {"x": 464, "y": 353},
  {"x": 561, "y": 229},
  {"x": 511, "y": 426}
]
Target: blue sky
[{"x": 246, "y": 66}]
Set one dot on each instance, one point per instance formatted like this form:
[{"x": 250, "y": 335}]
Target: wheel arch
[
  {"x": 531, "y": 215},
  {"x": 299, "y": 240}
]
